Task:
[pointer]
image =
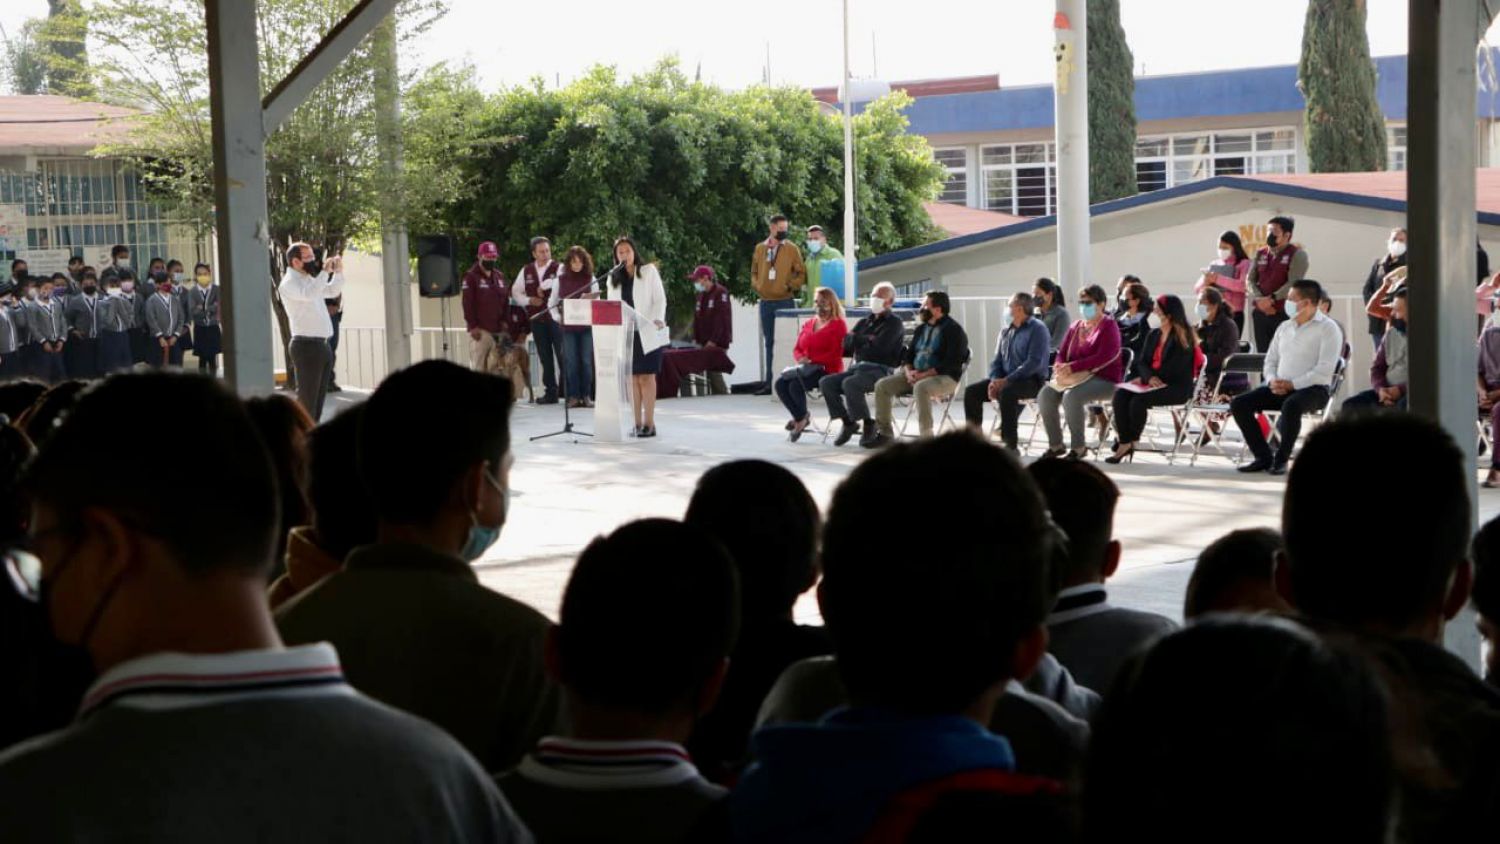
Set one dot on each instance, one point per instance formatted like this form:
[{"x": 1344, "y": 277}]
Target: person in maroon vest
[
  {"x": 713, "y": 325},
  {"x": 1277, "y": 264},
  {"x": 535, "y": 285},
  {"x": 486, "y": 309},
  {"x": 575, "y": 282}
]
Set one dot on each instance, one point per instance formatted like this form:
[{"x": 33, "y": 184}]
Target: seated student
[
  {"x": 1089, "y": 364},
  {"x": 1091, "y": 638},
  {"x": 931, "y": 367},
  {"x": 640, "y": 649},
  {"x": 1164, "y": 376},
  {"x": 926, "y": 644},
  {"x": 1219, "y": 340},
  {"x": 1017, "y": 372},
  {"x": 1303, "y": 354},
  {"x": 1396, "y": 590},
  {"x": 414, "y": 625},
  {"x": 1233, "y": 574},
  {"x": 768, "y": 522},
  {"x": 1242, "y": 729},
  {"x": 85, "y": 320},
  {"x": 713, "y": 331},
  {"x": 342, "y": 517},
  {"x": 1388, "y": 373},
  {"x": 1486, "y": 597},
  {"x": 875, "y": 344},
  {"x": 202, "y": 725},
  {"x": 819, "y": 351}
]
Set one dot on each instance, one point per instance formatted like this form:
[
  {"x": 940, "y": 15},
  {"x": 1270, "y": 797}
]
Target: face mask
[
  {"x": 122, "y": 263},
  {"x": 179, "y": 277},
  {"x": 205, "y": 280},
  {"x": 1225, "y": 254},
  {"x": 158, "y": 276},
  {"x": 781, "y": 236},
  {"x": 1271, "y": 240},
  {"x": 702, "y": 287},
  {"x": 90, "y": 290},
  {"x": 489, "y": 266},
  {"x": 313, "y": 267},
  {"x": 877, "y": 305},
  {"x": 1397, "y": 248},
  {"x": 75, "y": 651},
  {"x": 31, "y": 294},
  {"x": 46, "y": 295},
  {"x": 924, "y": 315},
  {"x": 113, "y": 291},
  {"x": 1153, "y": 321},
  {"x": 165, "y": 288},
  {"x": 1201, "y": 311},
  {"x": 19, "y": 275},
  {"x": 481, "y": 537},
  {"x": 1291, "y": 309},
  {"x": 127, "y": 286},
  {"x": 1088, "y": 310},
  {"x": 1398, "y": 324},
  {"x": 76, "y": 274},
  {"x": 815, "y": 246}
]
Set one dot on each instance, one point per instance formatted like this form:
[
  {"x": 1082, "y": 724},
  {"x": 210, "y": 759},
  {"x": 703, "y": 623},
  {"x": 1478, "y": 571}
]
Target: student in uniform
[
  {"x": 180, "y": 285},
  {"x": 116, "y": 321},
  {"x": 84, "y": 325},
  {"x": 49, "y": 330},
  {"x": 166, "y": 323},
  {"x": 10, "y": 362},
  {"x": 203, "y": 309},
  {"x": 23, "y": 294}
]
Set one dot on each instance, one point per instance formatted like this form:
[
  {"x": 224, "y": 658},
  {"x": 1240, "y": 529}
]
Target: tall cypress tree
[
  {"x": 1344, "y": 127},
  {"x": 1111, "y": 104}
]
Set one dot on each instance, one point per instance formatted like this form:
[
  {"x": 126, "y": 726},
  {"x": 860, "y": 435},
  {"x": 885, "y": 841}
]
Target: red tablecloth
[{"x": 677, "y": 364}]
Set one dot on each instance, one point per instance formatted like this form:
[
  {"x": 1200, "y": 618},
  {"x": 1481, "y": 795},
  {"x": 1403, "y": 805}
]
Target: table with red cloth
[{"x": 678, "y": 364}]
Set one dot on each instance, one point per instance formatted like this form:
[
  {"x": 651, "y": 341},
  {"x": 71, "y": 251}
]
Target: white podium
[{"x": 613, "y": 323}]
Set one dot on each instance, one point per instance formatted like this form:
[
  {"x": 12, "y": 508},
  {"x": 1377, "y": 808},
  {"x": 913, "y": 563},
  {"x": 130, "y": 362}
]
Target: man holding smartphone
[{"x": 305, "y": 291}]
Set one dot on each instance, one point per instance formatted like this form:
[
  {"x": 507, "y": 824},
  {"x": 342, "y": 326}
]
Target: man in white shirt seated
[
  {"x": 1299, "y": 369},
  {"x": 202, "y": 726},
  {"x": 305, "y": 291}
]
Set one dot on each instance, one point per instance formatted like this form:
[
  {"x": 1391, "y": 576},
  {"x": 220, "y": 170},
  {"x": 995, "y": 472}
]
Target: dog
[{"x": 515, "y": 364}]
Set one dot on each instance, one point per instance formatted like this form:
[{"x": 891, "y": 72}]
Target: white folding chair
[
  {"x": 1106, "y": 409},
  {"x": 1313, "y": 418},
  {"x": 946, "y": 401},
  {"x": 1213, "y": 413}
]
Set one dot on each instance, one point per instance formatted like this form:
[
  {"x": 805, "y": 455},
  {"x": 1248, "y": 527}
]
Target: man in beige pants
[
  {"x": 933, "y": 365},
  {"x": 486, "y": 308}
]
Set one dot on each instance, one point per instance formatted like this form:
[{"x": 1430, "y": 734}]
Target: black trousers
[
  {"x": 1011, "y": 395},
  {"x": 548, "y": 338},
  {"x": 1132, "y": 409},
  {"x": 1265, "y": 327},
  {"x": 310, "y": 360},
  {"x": 1244, "y": 408}
]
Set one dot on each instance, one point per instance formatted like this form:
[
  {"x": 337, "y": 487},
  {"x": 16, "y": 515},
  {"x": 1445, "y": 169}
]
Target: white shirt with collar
[
  {"x": 306, "y": 297},
  {"x": 1305, "y": 354},
  {"x": 548, "y": 284}
]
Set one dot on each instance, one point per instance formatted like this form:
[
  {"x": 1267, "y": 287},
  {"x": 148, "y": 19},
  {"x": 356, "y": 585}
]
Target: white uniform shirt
[
  {"x": 305, "y": 298},
  {"x": 1306, "y": 354}
]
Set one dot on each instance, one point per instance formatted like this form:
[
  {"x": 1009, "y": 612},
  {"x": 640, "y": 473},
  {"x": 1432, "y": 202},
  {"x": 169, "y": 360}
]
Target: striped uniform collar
[
  {"x": 598, "y": 765},
  {"x": 1077, "y": 602},
  {"x": 164, "y": 681}
]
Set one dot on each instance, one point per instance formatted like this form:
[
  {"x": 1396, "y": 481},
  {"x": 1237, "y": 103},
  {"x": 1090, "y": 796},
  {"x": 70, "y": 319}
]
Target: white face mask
[
  {"x": 1154, "y": 321},
  {"x": 1397, "y": 248},
  {"x": 1225, "y": 254},
  {"x": 877, "y": 305}
]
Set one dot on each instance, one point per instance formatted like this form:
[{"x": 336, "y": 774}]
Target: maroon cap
[{"x": 703, "y": 271}]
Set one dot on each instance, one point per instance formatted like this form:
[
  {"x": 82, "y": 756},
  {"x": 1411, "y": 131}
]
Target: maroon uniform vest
[
  {"x": 1271, "y": 271},
  {"x": 534, "y": 287}
]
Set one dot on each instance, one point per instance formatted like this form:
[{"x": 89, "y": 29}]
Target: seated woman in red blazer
[
  {"x": 1163, "y": 375},
  {"x": 819, "y": 352}
]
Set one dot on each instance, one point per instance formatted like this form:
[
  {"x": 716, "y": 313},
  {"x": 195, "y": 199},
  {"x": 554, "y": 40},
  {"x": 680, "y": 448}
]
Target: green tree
[
  {"x": 691, "y": 171},
  {"x": 1344, "y": 125},
  {"x": 64, "y": 36},
  {"x": 25, "y": 67},
  {"x": 323, "y": 182},
  {"x": 1111, "y": 87}
]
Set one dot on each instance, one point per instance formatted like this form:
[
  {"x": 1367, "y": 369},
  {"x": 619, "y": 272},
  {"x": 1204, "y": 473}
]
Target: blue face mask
[
  {"x": 482, "y": 537},
  {"x": 1088, "y": 310},
  {"x": 1291, "y": 309},
  {"x": 815, "y": 246}
]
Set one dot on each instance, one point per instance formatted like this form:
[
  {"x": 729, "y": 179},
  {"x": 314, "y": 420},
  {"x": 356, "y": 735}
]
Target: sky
[{"x": 507, "y": 41}]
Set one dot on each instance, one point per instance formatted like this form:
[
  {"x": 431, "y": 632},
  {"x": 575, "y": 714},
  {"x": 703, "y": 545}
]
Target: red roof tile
[
  {"x": 49, "y": 124},
  {"x": 1390, "y": 185},
  {"x": 959, "y": 220}
]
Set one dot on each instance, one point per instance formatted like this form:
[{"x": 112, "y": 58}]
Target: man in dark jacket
[
  {"x": 1393, "y": 259},
  {"x": 1395, "y": 591},
  {"x": 875, "y": 345},
  {"x": 1017, "y": 373},
  {"x": 931, "y": 369},
  {"x": 486, "y": 309}
]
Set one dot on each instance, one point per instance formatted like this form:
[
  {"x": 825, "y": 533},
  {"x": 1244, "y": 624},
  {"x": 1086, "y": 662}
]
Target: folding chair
[
  {"x": 1214, "y": 412},
  {"x": 1313, "y": 418},
  {"x": 947, "y": 402},
  {"x": 1181, "y": 415},
  {"x": 1106, "y": 409}
]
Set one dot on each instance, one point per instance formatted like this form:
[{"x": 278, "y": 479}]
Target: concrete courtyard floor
[{"x": 568, "y": 492}]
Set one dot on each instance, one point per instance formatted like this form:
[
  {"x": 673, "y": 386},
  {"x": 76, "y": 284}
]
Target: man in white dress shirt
[
  {"x": 305, "y": 291},
  {"x": 534, "y": 288},
  {"x": 1299, "y": 370}
]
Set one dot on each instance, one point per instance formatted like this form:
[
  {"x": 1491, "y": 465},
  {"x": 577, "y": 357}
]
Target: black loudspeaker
[{"x": 437, "y": 273}]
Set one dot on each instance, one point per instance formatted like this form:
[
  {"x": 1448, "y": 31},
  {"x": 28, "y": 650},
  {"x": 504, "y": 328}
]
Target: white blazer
[{"x": 651, "y": 303}]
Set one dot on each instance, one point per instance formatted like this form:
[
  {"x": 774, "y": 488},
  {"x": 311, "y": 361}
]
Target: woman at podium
[{"x": 639, "y": 286}]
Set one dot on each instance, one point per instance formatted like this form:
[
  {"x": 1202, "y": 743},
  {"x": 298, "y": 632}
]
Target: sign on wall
[
  {"x": 12, "y": 228},
  {"x": 45, "y": 261}
]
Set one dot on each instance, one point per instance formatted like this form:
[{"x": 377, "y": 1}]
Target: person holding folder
[
  {"x": 639, "y": 286},
  {"x": 1163, "y": 375}
]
